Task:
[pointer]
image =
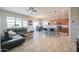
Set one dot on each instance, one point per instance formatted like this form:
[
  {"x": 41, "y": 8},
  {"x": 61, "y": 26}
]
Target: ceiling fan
[{"x": 31, "y": 10}]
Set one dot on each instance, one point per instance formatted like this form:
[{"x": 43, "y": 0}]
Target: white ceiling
[{"x": 42, "y": 12}]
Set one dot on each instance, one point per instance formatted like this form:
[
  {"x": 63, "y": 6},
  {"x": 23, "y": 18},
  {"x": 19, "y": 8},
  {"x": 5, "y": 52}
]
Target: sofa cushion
[
  {"x": 18, "y": 30},
  {"x": 17, "y": 37},
  {"x": 5, "y": 37},
  {"x": 11, "y": 33},
  {"x": 15, "y": 41}
]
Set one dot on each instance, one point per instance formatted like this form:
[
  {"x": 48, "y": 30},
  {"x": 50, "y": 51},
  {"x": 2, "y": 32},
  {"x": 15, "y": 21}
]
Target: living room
[{"x": 36, "y": 29}]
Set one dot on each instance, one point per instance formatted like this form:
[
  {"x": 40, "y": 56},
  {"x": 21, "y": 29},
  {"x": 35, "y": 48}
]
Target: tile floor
[{"x": 47, "y": 42}]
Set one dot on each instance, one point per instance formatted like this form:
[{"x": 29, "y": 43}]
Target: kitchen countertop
[{"x": 55, "y": 26}]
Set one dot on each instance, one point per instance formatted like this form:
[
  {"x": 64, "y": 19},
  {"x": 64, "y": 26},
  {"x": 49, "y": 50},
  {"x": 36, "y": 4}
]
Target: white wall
[
  {"x": 74, "y": 17},
  {"x": 0, "y": 28},
  {"x": 4, "y": 14},
  {"x": 0, "y": 33}
]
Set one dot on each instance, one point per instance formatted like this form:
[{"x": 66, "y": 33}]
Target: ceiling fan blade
[
  {"x": 34, "y": 10},
  {"x": 31, "y": 9}
]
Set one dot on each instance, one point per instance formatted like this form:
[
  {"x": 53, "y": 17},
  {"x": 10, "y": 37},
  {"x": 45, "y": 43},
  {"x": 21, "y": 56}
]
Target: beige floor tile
[{"x": 42, "y": 42}]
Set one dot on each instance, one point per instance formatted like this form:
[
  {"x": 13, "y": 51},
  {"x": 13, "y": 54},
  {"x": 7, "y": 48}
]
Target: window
[
  {"x": 10, "y": 22},
  {"x": 18, "y": 22},
  {"x": 25, "y": 23},
  {"x": 14, "y": 22}
]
